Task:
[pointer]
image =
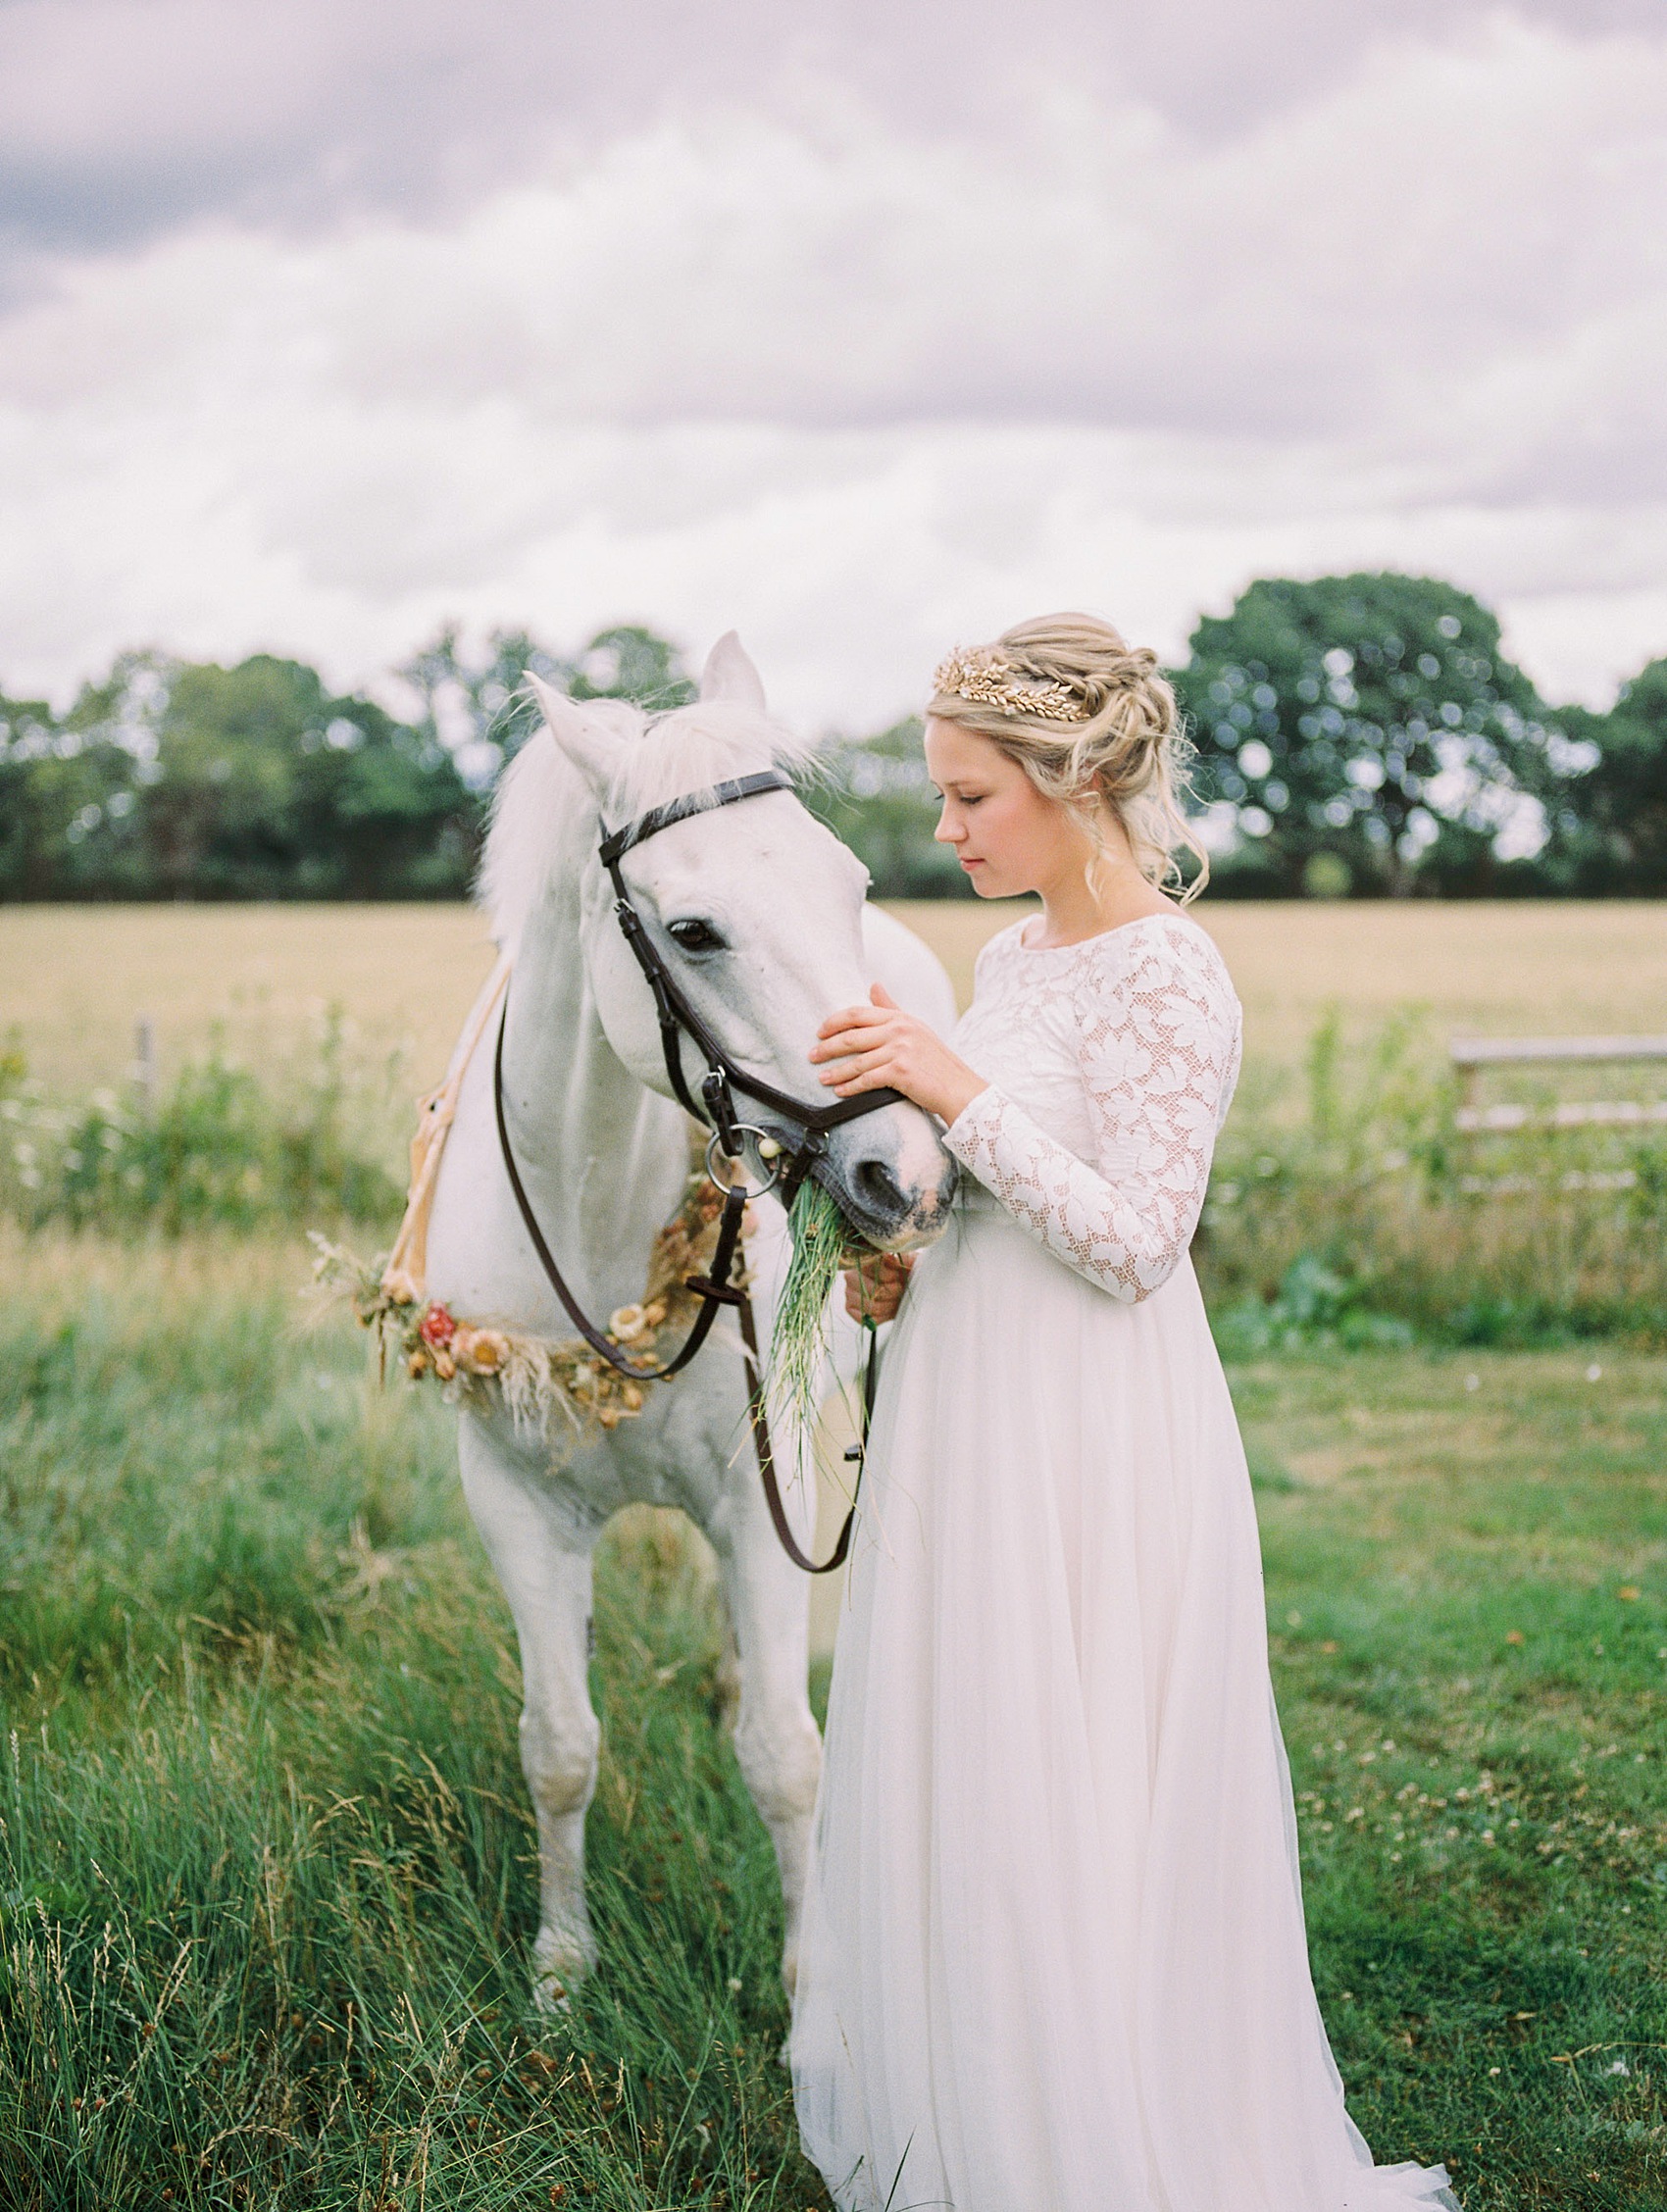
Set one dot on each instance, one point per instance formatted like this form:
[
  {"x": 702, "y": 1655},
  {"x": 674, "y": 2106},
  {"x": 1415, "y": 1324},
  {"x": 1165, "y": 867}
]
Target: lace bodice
[{"x": 1111, "y": 1065}]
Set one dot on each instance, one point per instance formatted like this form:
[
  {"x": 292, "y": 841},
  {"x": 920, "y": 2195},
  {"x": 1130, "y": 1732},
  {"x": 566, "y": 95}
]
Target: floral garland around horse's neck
[{"x": 534, "y": 1376}]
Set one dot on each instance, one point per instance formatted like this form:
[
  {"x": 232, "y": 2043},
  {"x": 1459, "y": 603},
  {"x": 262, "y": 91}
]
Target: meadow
[
  {"x": 74, "y": 978},
  {"x": 266, "y": 1877},
  {"x": 286, "y": 1044}
]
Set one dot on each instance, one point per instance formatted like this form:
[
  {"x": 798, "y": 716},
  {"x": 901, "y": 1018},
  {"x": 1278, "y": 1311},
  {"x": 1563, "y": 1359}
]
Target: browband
[{"x": 657, "y": 818}]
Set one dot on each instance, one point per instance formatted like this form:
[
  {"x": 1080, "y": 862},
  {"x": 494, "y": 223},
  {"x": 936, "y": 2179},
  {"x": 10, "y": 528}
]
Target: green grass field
[
  {"x": 267, "y": 1874},
  {"x": 266, "y": 1859}
]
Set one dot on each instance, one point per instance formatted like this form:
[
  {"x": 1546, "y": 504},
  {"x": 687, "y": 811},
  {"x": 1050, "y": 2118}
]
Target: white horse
[{"x": 769, "y": 906}]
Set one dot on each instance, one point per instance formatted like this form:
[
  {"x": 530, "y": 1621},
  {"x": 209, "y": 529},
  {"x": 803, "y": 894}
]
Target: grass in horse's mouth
[{"x": 823, "y": 1239}]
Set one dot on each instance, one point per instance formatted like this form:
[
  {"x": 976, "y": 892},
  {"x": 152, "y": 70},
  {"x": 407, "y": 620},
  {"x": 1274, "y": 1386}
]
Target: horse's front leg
[
  {"x": 777, "y": 1744},
  {"x": 546, "y": 1575}
]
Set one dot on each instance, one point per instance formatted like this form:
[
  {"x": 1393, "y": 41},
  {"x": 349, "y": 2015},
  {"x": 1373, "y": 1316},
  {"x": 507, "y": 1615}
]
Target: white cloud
[
  {"x": 863, "y": 388},
  {"x": 117, "y": 116}
]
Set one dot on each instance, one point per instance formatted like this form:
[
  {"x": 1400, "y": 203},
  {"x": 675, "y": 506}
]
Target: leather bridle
[
  {"x": 723, "y": 1078},
  {"x": 677, "y": 1017}
]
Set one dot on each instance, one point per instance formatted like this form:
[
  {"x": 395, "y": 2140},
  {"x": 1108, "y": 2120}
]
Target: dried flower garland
[{"x": 535, "y": 1377}]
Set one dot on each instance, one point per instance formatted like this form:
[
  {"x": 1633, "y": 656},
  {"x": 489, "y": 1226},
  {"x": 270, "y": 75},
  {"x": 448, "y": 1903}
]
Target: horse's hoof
[{"x": 559, "y": 1965}]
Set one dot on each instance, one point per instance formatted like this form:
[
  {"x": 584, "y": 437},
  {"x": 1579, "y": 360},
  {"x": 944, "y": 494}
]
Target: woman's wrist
[{"x": 958, "y": 1095}]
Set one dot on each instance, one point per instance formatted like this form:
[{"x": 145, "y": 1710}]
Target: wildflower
[
  {"x": 482, "y": 1350},
  {"x": 436, "y": 1326},
  {"x": 627, "y": 1323}
]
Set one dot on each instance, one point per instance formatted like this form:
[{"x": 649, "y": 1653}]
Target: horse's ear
[
  {"x": 588, "y": 743},
  {"x": 729, "y": 673}
]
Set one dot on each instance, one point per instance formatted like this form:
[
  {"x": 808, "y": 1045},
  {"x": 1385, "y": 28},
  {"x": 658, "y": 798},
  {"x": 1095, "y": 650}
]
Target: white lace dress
[{"x": 1054, "y": 1957}]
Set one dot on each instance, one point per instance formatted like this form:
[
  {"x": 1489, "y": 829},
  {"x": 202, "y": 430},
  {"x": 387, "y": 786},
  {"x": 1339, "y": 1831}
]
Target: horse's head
[{"x": 756, "y": 910}]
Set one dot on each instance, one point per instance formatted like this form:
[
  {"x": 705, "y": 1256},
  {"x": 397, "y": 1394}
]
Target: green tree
[
  {"x": 1609, "y": 829},
  {"x": 263, "y": 785},
  {"x": 1364, "y": 732},
  {"x": 72, "y": 786},
  {"x": 169, "y": 781},
  {"x": 480, "y": 707},
  {"x": 628, "y": 661},
  {"x": 192, "y": 781},
  {"x": 380, "y": 810},
  {"x": 483, "y": 708},
  {"x": 877, "y": 795},
  {"x": 220, "y": 814}
]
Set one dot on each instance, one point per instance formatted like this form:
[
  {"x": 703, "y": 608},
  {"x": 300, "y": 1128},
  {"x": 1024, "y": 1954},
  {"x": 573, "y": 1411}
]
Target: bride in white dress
[{"x": 1055, "y": 1956}]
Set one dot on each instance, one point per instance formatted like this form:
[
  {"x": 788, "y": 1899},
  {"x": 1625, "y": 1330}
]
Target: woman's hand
[
  {"x": 873, "y": 1047},
  {"x": 875, "y": 1286}
]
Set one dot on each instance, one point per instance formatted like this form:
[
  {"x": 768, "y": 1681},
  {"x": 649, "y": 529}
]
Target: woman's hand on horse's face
[
  {"x": 878, "y": 1046},
  {"x": 874, "y": 1287}
]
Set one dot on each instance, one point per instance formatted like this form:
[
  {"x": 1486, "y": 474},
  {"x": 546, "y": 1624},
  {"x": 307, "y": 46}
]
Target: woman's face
[{"x": 1005, "y": 835}]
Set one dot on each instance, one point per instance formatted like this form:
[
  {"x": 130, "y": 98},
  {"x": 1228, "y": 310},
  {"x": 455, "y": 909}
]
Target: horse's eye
[{"x": 695, "y": 936}]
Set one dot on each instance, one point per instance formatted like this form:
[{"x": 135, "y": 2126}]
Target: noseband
[{"x": 718, "y": 1087}]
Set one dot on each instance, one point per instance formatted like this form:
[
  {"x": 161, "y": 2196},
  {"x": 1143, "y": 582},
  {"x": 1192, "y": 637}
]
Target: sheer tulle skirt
[{"x": 1054, "y": 1955}]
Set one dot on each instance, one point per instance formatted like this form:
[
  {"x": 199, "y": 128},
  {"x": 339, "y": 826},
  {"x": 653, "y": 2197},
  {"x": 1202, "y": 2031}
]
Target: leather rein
[{"x": 717, "y": 1109}]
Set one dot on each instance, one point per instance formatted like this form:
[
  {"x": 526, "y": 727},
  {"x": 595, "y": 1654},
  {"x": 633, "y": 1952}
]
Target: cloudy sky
[{"x": 320, "y": 323}]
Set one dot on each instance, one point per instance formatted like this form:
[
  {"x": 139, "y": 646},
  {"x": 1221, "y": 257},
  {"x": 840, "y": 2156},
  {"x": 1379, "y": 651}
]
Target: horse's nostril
[{"x": 878, "y": 1188}]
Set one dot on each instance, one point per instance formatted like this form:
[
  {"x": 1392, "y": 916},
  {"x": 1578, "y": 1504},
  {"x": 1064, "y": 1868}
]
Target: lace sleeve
[{"x": 1158, "y": 1052}]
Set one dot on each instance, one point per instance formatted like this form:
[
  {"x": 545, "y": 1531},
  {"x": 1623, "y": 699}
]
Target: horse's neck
[{"x": 603, "y": 1157}]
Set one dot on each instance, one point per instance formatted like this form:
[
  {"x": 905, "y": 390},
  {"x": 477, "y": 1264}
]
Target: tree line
[{"x": 1356, "y": 736}]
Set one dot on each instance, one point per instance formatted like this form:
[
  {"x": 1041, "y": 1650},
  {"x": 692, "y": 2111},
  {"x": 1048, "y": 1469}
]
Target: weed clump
[
  {"x": 1352, "y": 1208},
  {"x": 223, "y": 1147}
]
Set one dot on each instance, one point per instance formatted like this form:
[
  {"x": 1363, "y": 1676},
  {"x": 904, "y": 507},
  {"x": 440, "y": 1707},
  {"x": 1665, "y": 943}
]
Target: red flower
[{"x": 436, "y": 1326}]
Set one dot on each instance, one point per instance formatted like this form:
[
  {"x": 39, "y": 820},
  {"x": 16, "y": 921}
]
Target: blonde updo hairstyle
[{"x": 1110, "y": 737}]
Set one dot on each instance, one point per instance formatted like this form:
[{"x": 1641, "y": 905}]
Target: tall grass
[
  {"x": 1350, "y": 1197},
  {"x": 1344, "y": 1202},
  {"x": 267, "y": 1864},
  {"x": 223, "y": 1146}
]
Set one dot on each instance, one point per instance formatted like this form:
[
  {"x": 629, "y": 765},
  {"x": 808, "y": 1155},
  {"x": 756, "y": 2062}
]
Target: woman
[{"x": 1054, "y": 1958}]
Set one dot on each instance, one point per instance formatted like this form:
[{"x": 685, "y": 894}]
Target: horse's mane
[{"x": 541, "y": 798}]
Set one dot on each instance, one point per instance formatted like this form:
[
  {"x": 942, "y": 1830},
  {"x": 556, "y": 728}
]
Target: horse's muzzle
[{"x": 891, "y": 1177}]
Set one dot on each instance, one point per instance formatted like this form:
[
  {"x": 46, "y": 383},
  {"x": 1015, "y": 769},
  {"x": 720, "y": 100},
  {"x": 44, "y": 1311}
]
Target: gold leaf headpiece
[{"x": 990, "y": 677}]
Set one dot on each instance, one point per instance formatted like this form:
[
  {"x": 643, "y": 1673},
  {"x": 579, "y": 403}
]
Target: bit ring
[{"x": 772, "y": 1158}]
